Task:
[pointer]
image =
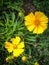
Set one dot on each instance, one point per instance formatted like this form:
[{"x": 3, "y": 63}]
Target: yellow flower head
[
  {"x": 36, "y": 22},
  {"x": 36, "y": 63},
  {"x": 24, "y": 58},
  {"x": 15, "y": 46}
]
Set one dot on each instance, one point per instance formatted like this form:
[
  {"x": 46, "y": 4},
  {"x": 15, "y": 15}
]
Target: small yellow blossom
[
  {"x": 36, "y": 22},
  {"x": 36, "y": 63},
  {"x": 24, "y": 58},
  {"x": 15, "y": 46}
]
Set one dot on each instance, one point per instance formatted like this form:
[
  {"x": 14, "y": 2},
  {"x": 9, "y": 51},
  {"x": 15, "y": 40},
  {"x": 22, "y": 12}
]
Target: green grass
[{"x": 11, "y": 25}]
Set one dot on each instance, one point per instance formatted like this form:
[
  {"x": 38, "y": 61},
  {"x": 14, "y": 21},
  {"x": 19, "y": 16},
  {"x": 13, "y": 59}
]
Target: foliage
[{"x": 12, "y": 25}]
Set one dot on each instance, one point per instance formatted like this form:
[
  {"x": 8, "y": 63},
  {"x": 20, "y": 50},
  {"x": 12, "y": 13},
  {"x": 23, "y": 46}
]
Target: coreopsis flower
[
  {"x": 36, "y": 63},
  {"x": 36, "y": 23},
  {"x": 15, "y": 46}
]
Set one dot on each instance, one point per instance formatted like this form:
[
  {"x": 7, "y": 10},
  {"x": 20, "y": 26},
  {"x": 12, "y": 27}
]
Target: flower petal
[
  {"x": 44, "y": 26},
  {"x": 31, "y": 27},
  {"x": 13, "y": 40},
  {"x": 38, "y": 30},
  {"x": 44, "y": 19},
  {"x": 41, "y": 17},
  {"x": 30, "y": 17},
  {"x": 21, "y": 45},
  {"x": 17, "y": 52},
  {"x": 10, "y": 49},
  {"x": 28, "y": 23},
  {"x": 9, "y": 46},
  {"x": 16, "y": 40},
  {"x": 39, "y": 14}
]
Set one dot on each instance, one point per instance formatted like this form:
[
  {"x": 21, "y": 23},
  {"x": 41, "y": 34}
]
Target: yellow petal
[
  {"x": 9, "y": 46},
  {"x": 44, "y": 19},
  {"x": 41, "y": 17},
  {"x": 17, "y": 52},
  {"x": 10, "y": 49},
  {"x": 44, "y": 26},
  {"x": 31, "y": 27},
  {"x": 13, "y": 40},
  {"x": 28, "y": 23},
  {"x": 35, "y": 30},
  {"x": 21, "y": 45},
  {"x": 30, "y": 17},
  {"x": 38, "y": 30},
  {"x": 16, "y": 40},
  {"x": 38, "y": 14}
]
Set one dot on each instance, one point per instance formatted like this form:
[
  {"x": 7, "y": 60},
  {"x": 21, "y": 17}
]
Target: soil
[{"x": 28, "y": 6}]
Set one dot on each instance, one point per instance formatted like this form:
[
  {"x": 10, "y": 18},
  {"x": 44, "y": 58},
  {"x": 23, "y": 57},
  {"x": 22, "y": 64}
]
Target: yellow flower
[
  {"x": 15, "y": 46},
  {"x": 36, "y": 63},
  {"x": 24, "y": 58},
  {"x": 36, "y": 22}
]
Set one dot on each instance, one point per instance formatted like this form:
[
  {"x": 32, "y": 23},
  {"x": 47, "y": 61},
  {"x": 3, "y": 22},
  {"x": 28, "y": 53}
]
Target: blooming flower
[
  {"x": 36, "y": 22},
  {"x": 36, "y": 63},
  {"x": 15, "y": 46}
]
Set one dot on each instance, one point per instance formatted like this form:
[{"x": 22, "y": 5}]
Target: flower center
[
  {"x": 37, "y": 22},
  {"x": 15, "y": 46}
]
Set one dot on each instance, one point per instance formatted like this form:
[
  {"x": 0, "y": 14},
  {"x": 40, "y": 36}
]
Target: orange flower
[{"x": 36, "y": 22}]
